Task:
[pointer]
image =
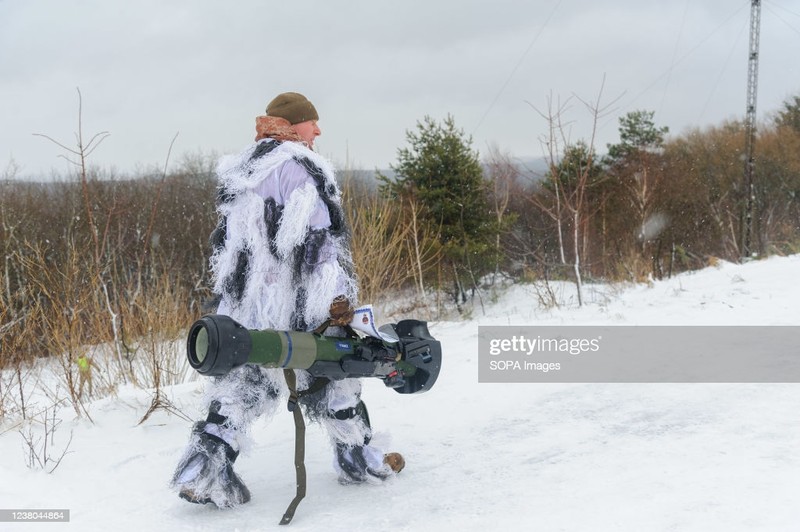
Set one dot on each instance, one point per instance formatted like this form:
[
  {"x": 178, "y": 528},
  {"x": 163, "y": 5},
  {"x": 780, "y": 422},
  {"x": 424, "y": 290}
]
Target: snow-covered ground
[{"x": 544, "y": 457}]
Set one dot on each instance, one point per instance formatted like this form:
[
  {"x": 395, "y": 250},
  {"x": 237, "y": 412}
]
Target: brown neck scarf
[{"x": 275, "y": 127}]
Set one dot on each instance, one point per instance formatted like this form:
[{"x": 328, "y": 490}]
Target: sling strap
[
  {"x": 299, "y": 437},
  {"x": 299, "y": 446},
  {"x": 300, "y": 426}
]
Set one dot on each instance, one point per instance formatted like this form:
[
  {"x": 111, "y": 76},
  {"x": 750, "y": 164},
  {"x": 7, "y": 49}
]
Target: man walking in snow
[
  {"x": 281, "y": 260},
  {"x": 85, "y": 366}
]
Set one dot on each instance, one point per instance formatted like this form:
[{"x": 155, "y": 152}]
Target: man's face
[{"x": 308, "y": 131}]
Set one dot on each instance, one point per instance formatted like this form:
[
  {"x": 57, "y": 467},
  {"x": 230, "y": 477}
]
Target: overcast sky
[{"x": 149, "y": 69}]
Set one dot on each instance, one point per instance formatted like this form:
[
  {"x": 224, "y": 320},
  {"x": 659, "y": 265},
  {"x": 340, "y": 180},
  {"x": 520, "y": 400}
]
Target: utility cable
[
  {"x": 674, "y": 55},
  {"x": 722, "y": 71},
  {"x": 516, "y": 67},
  {"x": 689, "y": 53},
  {"x": 783, "y": 19}
]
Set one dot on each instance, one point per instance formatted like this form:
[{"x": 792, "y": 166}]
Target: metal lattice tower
[{"x": 750, "y": 127}]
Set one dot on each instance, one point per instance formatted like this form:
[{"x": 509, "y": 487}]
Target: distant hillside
[{"x": 532, "y": 168}]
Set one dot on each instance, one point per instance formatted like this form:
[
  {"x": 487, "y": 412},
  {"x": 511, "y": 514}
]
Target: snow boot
[
  {"x": 205, "y": 474},
  {"x": 359, "y": 464}
]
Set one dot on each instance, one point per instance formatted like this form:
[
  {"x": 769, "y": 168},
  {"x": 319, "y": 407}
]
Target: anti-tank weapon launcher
[{"x": 408, "y": 362}]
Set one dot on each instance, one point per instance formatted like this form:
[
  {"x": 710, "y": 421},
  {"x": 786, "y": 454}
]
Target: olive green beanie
[{"x": 292, "y": 106}]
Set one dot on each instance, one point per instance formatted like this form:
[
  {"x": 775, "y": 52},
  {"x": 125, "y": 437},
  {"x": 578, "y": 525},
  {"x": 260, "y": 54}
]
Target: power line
[
  {"x": 516, "y": 67},
  {"x": 722, "y": 71},
  {"x": 674, "y": 55},
  {"x": 682, "y": 58},
  {"x": 783, "y": 19},
  {"x": 687, "y": 54},
  {"x": 795, "y": 13}
]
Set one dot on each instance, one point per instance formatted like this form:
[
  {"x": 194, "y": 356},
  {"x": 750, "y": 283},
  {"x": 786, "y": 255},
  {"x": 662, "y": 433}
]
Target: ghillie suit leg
[
  {"x": 205, "y": 472},
  {"x": 341, "y": 411}
]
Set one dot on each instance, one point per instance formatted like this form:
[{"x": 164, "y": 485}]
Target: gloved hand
[{"x": 341, "y": 311}]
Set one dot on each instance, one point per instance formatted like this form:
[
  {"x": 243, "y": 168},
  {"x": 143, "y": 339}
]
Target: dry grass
[
  {"x": 390, "y": 251},
  {"x": 75, "y": 286}
]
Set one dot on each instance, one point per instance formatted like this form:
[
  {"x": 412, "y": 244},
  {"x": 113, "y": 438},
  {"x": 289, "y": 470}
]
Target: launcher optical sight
[{"x": 217, "y": 344}]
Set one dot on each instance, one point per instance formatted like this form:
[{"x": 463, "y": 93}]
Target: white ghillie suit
[{"x": 281, "y": 256}]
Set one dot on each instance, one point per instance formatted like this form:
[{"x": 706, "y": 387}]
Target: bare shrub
[
  {"x": 632, "y": 267},
  {"x": 66, "y": 295},
  {"x": 39, "y": 442},
  {"x": 377, "y": 241}
]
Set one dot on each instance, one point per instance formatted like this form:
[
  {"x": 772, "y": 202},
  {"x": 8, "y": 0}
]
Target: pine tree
[
  {"x": 637, "y": 132},
  {"x": 441, "y": 175}
]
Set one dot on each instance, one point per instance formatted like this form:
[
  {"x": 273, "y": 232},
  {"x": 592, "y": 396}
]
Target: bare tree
[
  {"x": 553, "y": 143},
  {"x": 502, "y": 174},
  {"x": 78, "y": 156},
  {"x": 568, "y": 181}
]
